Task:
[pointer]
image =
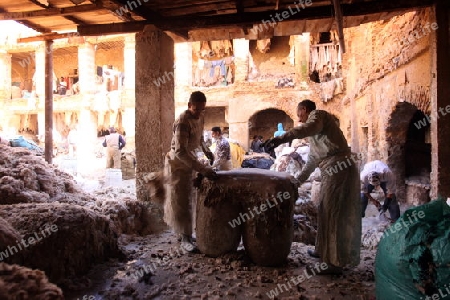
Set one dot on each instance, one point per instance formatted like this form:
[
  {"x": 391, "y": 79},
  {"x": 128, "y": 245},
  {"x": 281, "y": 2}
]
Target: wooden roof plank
[
  {"x": 114, "y": 28},
  {"x": 48, "y": 12},
  {"x": 47, "y": 37},
  {"x": 75, "y": 20}
]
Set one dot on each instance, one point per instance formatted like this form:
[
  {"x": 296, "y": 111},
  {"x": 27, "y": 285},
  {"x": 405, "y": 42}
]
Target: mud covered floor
[{"x": 156, "y": 268}]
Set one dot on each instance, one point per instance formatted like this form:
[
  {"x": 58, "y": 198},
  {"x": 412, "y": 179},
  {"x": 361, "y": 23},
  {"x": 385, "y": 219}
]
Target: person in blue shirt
[{"x": 280, "y": 130}]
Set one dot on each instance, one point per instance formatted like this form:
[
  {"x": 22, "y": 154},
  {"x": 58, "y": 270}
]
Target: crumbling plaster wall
[{"x": 387, "y": 63}]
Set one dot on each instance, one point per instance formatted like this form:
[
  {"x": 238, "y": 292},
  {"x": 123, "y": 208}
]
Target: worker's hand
[
  {"x": 211, "y": 174},
  {"x": 272, "y": 143},
  {"x": 296, "y": 182},
  {"x": 210, "y": 156},
  {"x": 197, "y": 181},
  {"x": 376, "y": 203}
]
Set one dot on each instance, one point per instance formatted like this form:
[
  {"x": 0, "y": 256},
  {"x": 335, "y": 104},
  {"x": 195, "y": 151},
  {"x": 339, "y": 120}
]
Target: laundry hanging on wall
[
  {"x": 326, "y": 69},
  {"x": 213, "y": 63},
  {"x": 326, "y": 60}
]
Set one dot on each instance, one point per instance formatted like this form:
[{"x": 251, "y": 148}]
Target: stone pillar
[
  {"x": 440, "y": 103},
  {"x": 5, "y": 76},
  {"x": 154, "y": 101},
  {"x": 87, "y": 122},
  {"x": 238, "y": 123},
  {"x": 39, "y": 74},
  {"x": 183, "y": 75},
  {"x": 87, "y": 129},
  {"x": 129, "y": 55},
  {"x": 41, "y": 123},
  {"x": 129, "y": 121},
  {"x": 86, "y": 68},
  {"x": 239, "y": 132},
  {"x": 354, "y": 144},
  {"x": 302, "y": 54},
  {"x": 241, "y": 52}
]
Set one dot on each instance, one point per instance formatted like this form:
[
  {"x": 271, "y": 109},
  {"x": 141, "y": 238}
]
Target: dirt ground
[{"x": 156, "y": 268}]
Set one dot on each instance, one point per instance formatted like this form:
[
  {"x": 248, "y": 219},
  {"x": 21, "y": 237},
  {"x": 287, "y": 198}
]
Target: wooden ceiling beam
[
  {"x": 114, "y": 28},
  {"x": 248, "y": 19},
  {"x": 48, "y": 12},
  {"x": 115, "y": 8},
  {"x": 34, "y": 26},
  {"x": 239, "y": 6},
  {"x": 47, "y": 37},
  {"x": 309, "y": 13},
  {"x": 70, "y": 18},
  {"x": 30, "y": 24}
]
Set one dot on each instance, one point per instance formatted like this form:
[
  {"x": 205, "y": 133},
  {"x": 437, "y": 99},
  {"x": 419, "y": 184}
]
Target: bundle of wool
[
  {"x": 261, "y": 201},
  {"x": 154, "y": 184},
  {"x": 76, "y": 237},
  {"x": 215, "y": 231},
  {"x": 25, "y": 177},
  {"x": 8, "y": 236},
  {"x": 128, "y": 163},
  {"x": 17, "y": 282}
]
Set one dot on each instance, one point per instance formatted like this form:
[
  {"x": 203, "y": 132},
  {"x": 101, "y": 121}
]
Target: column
[
  {"x": 302, "y": 56},
  {"x": 5, "y": 75},
  {"x": 239, "y": 132},
  {"x": 154, "y": 101},
  {"x": 39, "y": 74},
  {"x": 440, "y": 103},
  {"x": 238, "y": 122},
  {"x": 129, "y": 121},
  {"x": 41, "y": 124},
  {"x": 86, "y": 68},
  {"x": 183, "y": 74},
  {"x": 241, "y": 52},
  {"x": 49, "y": 101},
  {"x": 129, "y": 55},
  {"x": 87, "y": 130}
]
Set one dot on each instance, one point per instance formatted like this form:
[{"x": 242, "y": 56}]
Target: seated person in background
[
  {"x": 256, "y": 143},
  {"x": 222, "y": 161},
  {"x": 374, "y": 174}
]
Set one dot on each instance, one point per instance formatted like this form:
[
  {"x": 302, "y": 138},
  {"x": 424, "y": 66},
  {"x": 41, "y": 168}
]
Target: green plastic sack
[{"x": 413, "y": 256}]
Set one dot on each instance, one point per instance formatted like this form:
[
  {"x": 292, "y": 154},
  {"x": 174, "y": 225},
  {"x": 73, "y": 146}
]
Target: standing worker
[
  {"x": 114, "y": 142},
  {"x": 377, "y": 173},
  {"x": 180, "y": 163},
  {"x": 73, "y": 139},
  {"x": 339, "y": 214},
  {"x": 222, "y": 155}
]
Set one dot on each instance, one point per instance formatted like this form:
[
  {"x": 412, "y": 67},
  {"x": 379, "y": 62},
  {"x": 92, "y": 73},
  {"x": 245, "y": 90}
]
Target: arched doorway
[
  {"x": 409, "y": 152},
  {"x": 264, "y": 122}
]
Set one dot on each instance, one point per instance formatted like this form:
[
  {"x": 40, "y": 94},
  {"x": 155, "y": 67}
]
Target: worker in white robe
[
  {"x": 180, "y": 163},
  {"x": 339, "y": 215}
]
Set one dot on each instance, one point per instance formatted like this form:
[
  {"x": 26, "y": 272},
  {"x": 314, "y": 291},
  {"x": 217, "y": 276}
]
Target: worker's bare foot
[
  {"x": 323, "y": 269},
  {"x": 187, "y": 243},
  {"x": 188, "y": 247},
  {"x": 191, "y": 239},
  {"x": 313, "y": 253}
]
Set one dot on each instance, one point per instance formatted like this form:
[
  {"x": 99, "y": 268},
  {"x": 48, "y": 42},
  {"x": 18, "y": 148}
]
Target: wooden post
[
  {"x": 440, "y": 102},
  {"x": 48, "y": 101},
  {"x": 340, "y": 24}
]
